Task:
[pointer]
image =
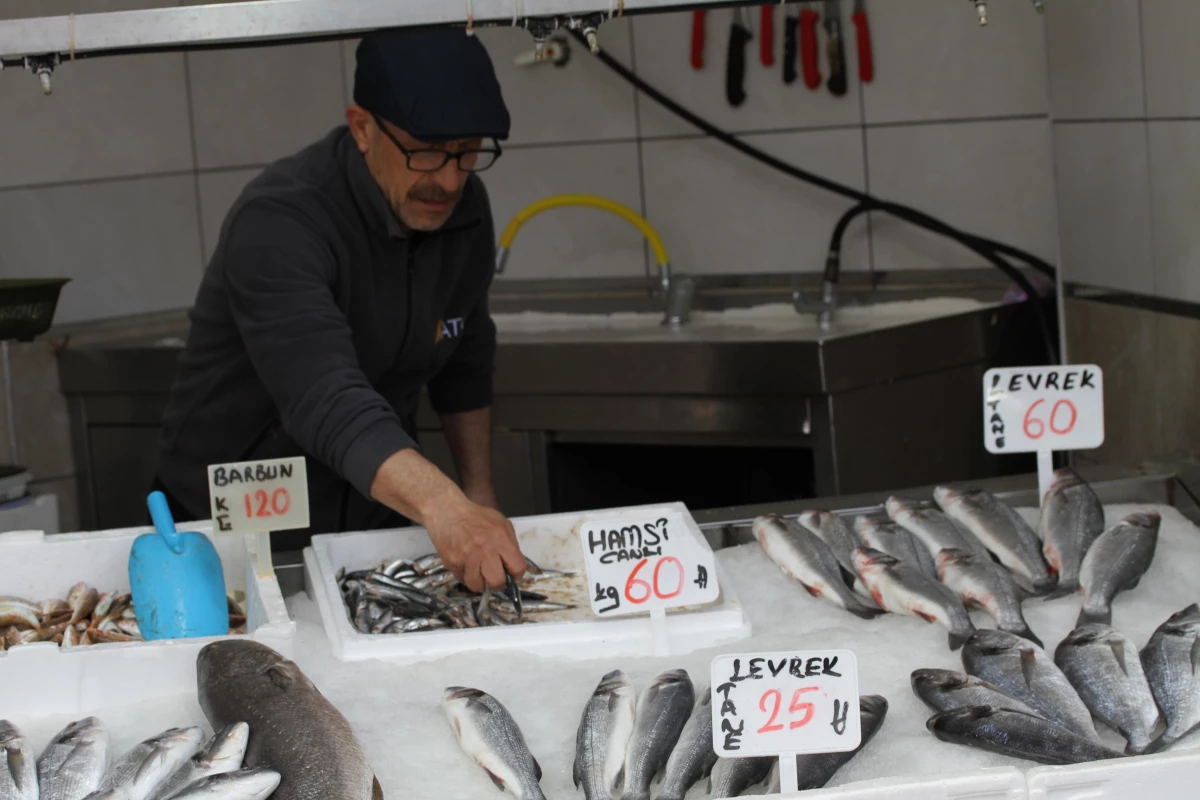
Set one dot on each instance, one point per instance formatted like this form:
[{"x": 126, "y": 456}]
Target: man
[{"x": 347, "y": 278}]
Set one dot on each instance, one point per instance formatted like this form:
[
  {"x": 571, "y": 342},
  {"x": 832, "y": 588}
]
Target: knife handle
[
  {"x": 809, "y": 53},
  {"x": 791, "y": 35},
  {"x": 698, "y": 39},
  {"x": 735, "y": 65},
  {"x": 766, "y": 36},
  {"x": 837, "y": 63},
  {"x": 866, "y": 58}
]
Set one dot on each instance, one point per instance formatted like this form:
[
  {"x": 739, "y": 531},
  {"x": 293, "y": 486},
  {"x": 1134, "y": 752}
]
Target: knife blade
[{"x": 835, "y": 48}]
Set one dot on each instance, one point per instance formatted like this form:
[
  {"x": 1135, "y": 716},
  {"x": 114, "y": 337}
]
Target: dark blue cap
[{"x": 437, "y": 84}]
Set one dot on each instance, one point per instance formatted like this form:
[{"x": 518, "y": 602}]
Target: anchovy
[
  {"x": 943, "y": 690},
  {"x": 933, "y": 528},
  {"x": 223, "y": 753},
  {"x": 1002, "y": 530},
  {"x": 906, "y": 590},
  {"x": 603, "y": 735},
  {"x": 1072, "y": 518},
  {"x": 731, "y": 777},
  {"x": 140, "y": 772},
  {"x": 246, "y": 784},
  {"x": 898, "y": 542},
  {"x": 1172, "y": 663},
  {"x": 1012, "y": 733},
  {"x": 693, "y": 758},
  {"x": 662, "y": 711},
  {"x": 1116, "y": 562},
  {"x": 836, "y": 531},
  {"x": 490, "y": 736},
  {"x": 73, "y": 764},
  {"x": 18, "y": 769},
  {"x": 980, "y": 582}
]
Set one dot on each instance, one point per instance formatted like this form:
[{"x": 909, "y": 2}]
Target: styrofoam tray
[
  {"x": 42, "y": 678},
  {"x": 998, "y": 783},
  {"x": 1165, "y": 775},
  {"x": 551, "y": 541}
]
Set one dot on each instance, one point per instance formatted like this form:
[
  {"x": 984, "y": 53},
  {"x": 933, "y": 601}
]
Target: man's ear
[{"x": 362, "y": 126}]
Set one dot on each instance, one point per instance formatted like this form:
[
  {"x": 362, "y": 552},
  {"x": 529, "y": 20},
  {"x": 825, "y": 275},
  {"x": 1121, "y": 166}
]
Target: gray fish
[
  {"x": 814, "y": 770},
  {"x": 223, "y": 753},
  {"x": 1012, "y": 733},
  {"x": 837, "y": 532},
  {"x": 931, "y": 526},
  {"x": 246, "y": 784},
  {"x": 906, "y": 590},
  {"x": 1072, "y": 518},
  {"x": 1172, "y": 663},
  {"x": 491, "y": 737},
  {"x": 944, "y": 689},
  {"x": 897, "y": 541},
  {"x": 18, "y": 771},
  {"x": 731, "y": 777},
  {"x": 1104, "y": 667},
  {"x": 73, "y": 764},
  {"x": 1115, "y": 562},
  {"x": 806, "y": 559},
  {"x": 147, "y": 766},
  {"x": 662, "y": 711},
  {"x": 1002, "y": 530},
  {"x": 693, "y": 757},
  {"x": 1024, "y": 671},
  {"x": 603, "y": 735},
  {"x": 982, "y": 583},
  {"x": 294, "y": 730}
]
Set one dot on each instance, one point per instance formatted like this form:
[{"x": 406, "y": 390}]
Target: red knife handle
[
  {"x": 698, "y": 39},
  {"x": 866, "y": 59},
  {"x": 766, "y": 40},
  {"x": 809, "y": 54}
]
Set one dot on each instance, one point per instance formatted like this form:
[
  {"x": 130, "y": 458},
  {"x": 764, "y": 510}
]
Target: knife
[
  {"x": 735, "y": 64},
  {"x": 835, "y": 48}
]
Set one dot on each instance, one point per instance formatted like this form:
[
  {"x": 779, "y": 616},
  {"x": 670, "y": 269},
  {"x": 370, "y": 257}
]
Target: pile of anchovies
[{"x": 406, "y": 596}]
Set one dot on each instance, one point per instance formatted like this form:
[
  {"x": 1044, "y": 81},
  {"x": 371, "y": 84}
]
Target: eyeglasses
[{"x": 430, "y": 160}]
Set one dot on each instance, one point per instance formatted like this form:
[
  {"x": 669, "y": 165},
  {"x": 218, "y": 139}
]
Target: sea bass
[
  {"x": 73, "y": 764},
  {"x": 1103, "y": 666},
  {"x": 837, "y": 532},
  {"x": 814, "y": 770},
  {"x": 1002, "y": 530},
  {"x": 982, "y": 583},
  {"x": 1172, "y": 663},
  {"x": 140, "y": 772},
  {"x": 944, "y": 689},
  {"x": 223, "y": 753},
  {"x": 803, "y": 557},
  {"x": 18, "y": 769},
  {"x": 294, "y": 730},
  {"x": 490, "y": 736},
  {"x": 693, "y": 757},
  {"x": 906, "y": 590},
  {"x": 1012, "y": 733},
  {"x": 731, "y": 777},
  {"x": 1024, "y": 671},
  {"x": 662, "y": 711},
  {"x": 897, "y": 541},
  {"x": 603, "y": 735},
  {"x": 1115, "y": 562},
  {"x": 246, "y": 784},
  {"x": 1072, "y": 518},
  {"x": 931, "y": 526}
]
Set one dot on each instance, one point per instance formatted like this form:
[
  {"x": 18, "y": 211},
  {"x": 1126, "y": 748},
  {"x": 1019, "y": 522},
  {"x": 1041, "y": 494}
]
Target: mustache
[{"x": 434, "y": 194}]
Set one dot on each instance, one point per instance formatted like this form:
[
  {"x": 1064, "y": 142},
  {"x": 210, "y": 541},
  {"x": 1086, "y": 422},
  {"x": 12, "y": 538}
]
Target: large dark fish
[
  {"x": 1002, "y": 530},
  {"x": 1072, "y": 518},
  {"x": 18, "y": 769},
  {"x": 693, "y": 757},
  {"x": 1116, "y": 561},
  {"x": 1012, "y": 733},
  {"x": 662, "y": 711},
  {"x": 604, "y": 731},
  {"x": 294, "y": 730},
  {"x": 814, "y": 770},
  {"x": 1171, "y": 660},
  {"x": 944, "y": 690},
  {"x": 732, "y": 777}
]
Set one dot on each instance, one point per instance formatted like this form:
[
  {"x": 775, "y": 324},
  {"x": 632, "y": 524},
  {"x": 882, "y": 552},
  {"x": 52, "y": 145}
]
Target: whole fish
[
  {"x": 294, "y": 730},
  {"x": 814, "y": 770},
  {"x": 809, "y": 561},
  {"x": 982, "y": 583},
  {"x": 731, "y": 777},
  {"x": 223, "y": 753},
  {"x": 18, "y": 612},
  {"x": 1024, "y": 671},
  {"x": 898, "y": 542},
  {"x": 18, "y": 770},
  {"x": 83, "y": 600},
  {"x": 1002, "y": 530},
  {"x": 1104, "y": 667},
  {"x": 73, "y": 764},
  {"x": 1072, "y": 518},
  {"x": 906, "y": 590},
  {"x": 932, "y": 528},
  {"x": 146, "y": 767},
  {"x": 490, "y": 736},
  {"x": 944, "y": 689},
  {"x": 662, "y": 711},
  {"x": 246, "y": 784},
  {"x": 837, "y": 532},
  {"x": 1172, "y": 663},
  {"x": 1115, "y": 562},
  {"x": 693, "y": 758},
  {"x": 1012, "y": 733},
  {"x": 603, "y": 734}
]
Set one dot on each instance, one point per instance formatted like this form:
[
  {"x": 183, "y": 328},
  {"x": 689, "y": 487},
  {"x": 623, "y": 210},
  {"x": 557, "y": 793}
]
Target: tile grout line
[
  {"x": 191, "y": 110},
  {"x": 870, "y": 215},
  {"x": 1146, "y": 144}
]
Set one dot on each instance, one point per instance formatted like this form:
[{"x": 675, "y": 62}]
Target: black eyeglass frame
[{"x": 495, "y": 150}]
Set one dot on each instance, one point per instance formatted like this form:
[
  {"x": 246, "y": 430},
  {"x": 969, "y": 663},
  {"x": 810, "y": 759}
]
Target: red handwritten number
[
  {"x": 634, "y": 580},
  {"x": 658, "y": 587},
  {"x": 249, "y": 508},
  {"x": 281, "y": 501},
  {"x": 1030, "y": 421},
  {"x": 1054, "y": 415},
  {"x": 1035, "y": 428},
  {"x": 808, "y": 708},
  {"x": 771, "y": 725}
]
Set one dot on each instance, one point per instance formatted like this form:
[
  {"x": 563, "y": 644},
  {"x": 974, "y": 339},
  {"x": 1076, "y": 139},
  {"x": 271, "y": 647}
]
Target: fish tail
[
  {"x": 1045, "y": 585},
  {"x": 1065, "y": 588},
  {"x": 636, "y": 794},
  {"x": 957, "y": 640},
  {"x": 864, "y": 611},
  {"x": 1089, "y": 616},
  {"x": 1160, "y": 744},
  {"x": 1025, "y": 633}
]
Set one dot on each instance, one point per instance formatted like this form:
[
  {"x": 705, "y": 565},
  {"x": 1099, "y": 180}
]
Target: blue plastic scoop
[{"x": 177, "y": 582}]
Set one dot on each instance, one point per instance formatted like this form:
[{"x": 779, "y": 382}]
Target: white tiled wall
[{"x": 121, "y": 179}]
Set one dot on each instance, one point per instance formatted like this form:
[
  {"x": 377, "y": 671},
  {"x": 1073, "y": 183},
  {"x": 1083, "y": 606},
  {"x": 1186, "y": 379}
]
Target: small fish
[
  {"x": 1115, "y": 562},
  {"x": 931, "y": 527},
  {"x": 731, "y": 777},
  {"x": 18, "y": 769},
  {"x": 82, "y": 599},
  {"x": 1002, "y": 530},
  {"x": 814, "y": 770},
  {"x": 603, "y": 735},
  {"x": 222, "y": 753},
  {"x": 146, "y": 767},
  {"x": 898, "y": 542},
  {"x": 980, "y": 582},
  {"x": 837, "y": 532},
  {"x": 246, "y": 784},
  {"x": 1171, "y": 660},
  {"x": 1072, "y": 518},
  {"x": 1104, "y": 667},
  {"x": 73, "y": 764},
  {"x": 16, "y": 612},
  {"x": 943, "y": 690},
  {"x": 103, "y": 605},
  {"x": 1024, "y": 671},
  {"x": 906, "y": 590},
  {"x": 693, "y": 758},
  {"x": 490, "y": 736},
  {"x": 662, "y": 711},
  {"x": 1013, "y": 733},
  {"x": 809, "y": 561}
]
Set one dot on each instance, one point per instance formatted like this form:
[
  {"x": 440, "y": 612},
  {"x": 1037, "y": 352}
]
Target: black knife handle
[
  {"x": 837, "y": 61},
  {"x": 735, "y": 65},
  {"x": 791, "y": 35}
]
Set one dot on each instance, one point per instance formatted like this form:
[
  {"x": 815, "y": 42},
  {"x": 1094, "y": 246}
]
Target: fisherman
[{"x": 347, "y": 278}]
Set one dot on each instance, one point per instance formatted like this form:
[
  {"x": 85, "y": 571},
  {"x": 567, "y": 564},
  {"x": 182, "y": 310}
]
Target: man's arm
[{"x": 469, "y": 434}]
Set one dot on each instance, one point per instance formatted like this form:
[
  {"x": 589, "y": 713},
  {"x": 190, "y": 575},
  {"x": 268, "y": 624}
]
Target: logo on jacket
[{"x": 449, "y": 328}]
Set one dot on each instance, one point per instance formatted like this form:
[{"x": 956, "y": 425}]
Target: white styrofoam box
[
  {"x": 1165, "y": 775},
  {"x": 56, "y": 681},
  {"x": 998, "y": 783},
  {"x": 40, "y": 512},
  {"x": 551, "y": 541}
]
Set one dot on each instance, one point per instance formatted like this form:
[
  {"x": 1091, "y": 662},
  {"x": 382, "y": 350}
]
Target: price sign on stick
[
  {"x": 259, "y": 497},
  {"x": 784, "y": 704}
]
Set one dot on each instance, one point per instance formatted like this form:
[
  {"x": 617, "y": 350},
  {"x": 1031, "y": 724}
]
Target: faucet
[{"x": 675, "y": 290}]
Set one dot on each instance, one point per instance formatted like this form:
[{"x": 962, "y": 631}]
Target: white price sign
[
  {"x": 1030, "y": 409},
  {"x": 258, "y": 496},
  {"x": 647, "y": 562},
  {"x": 772, "y": 704}
]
